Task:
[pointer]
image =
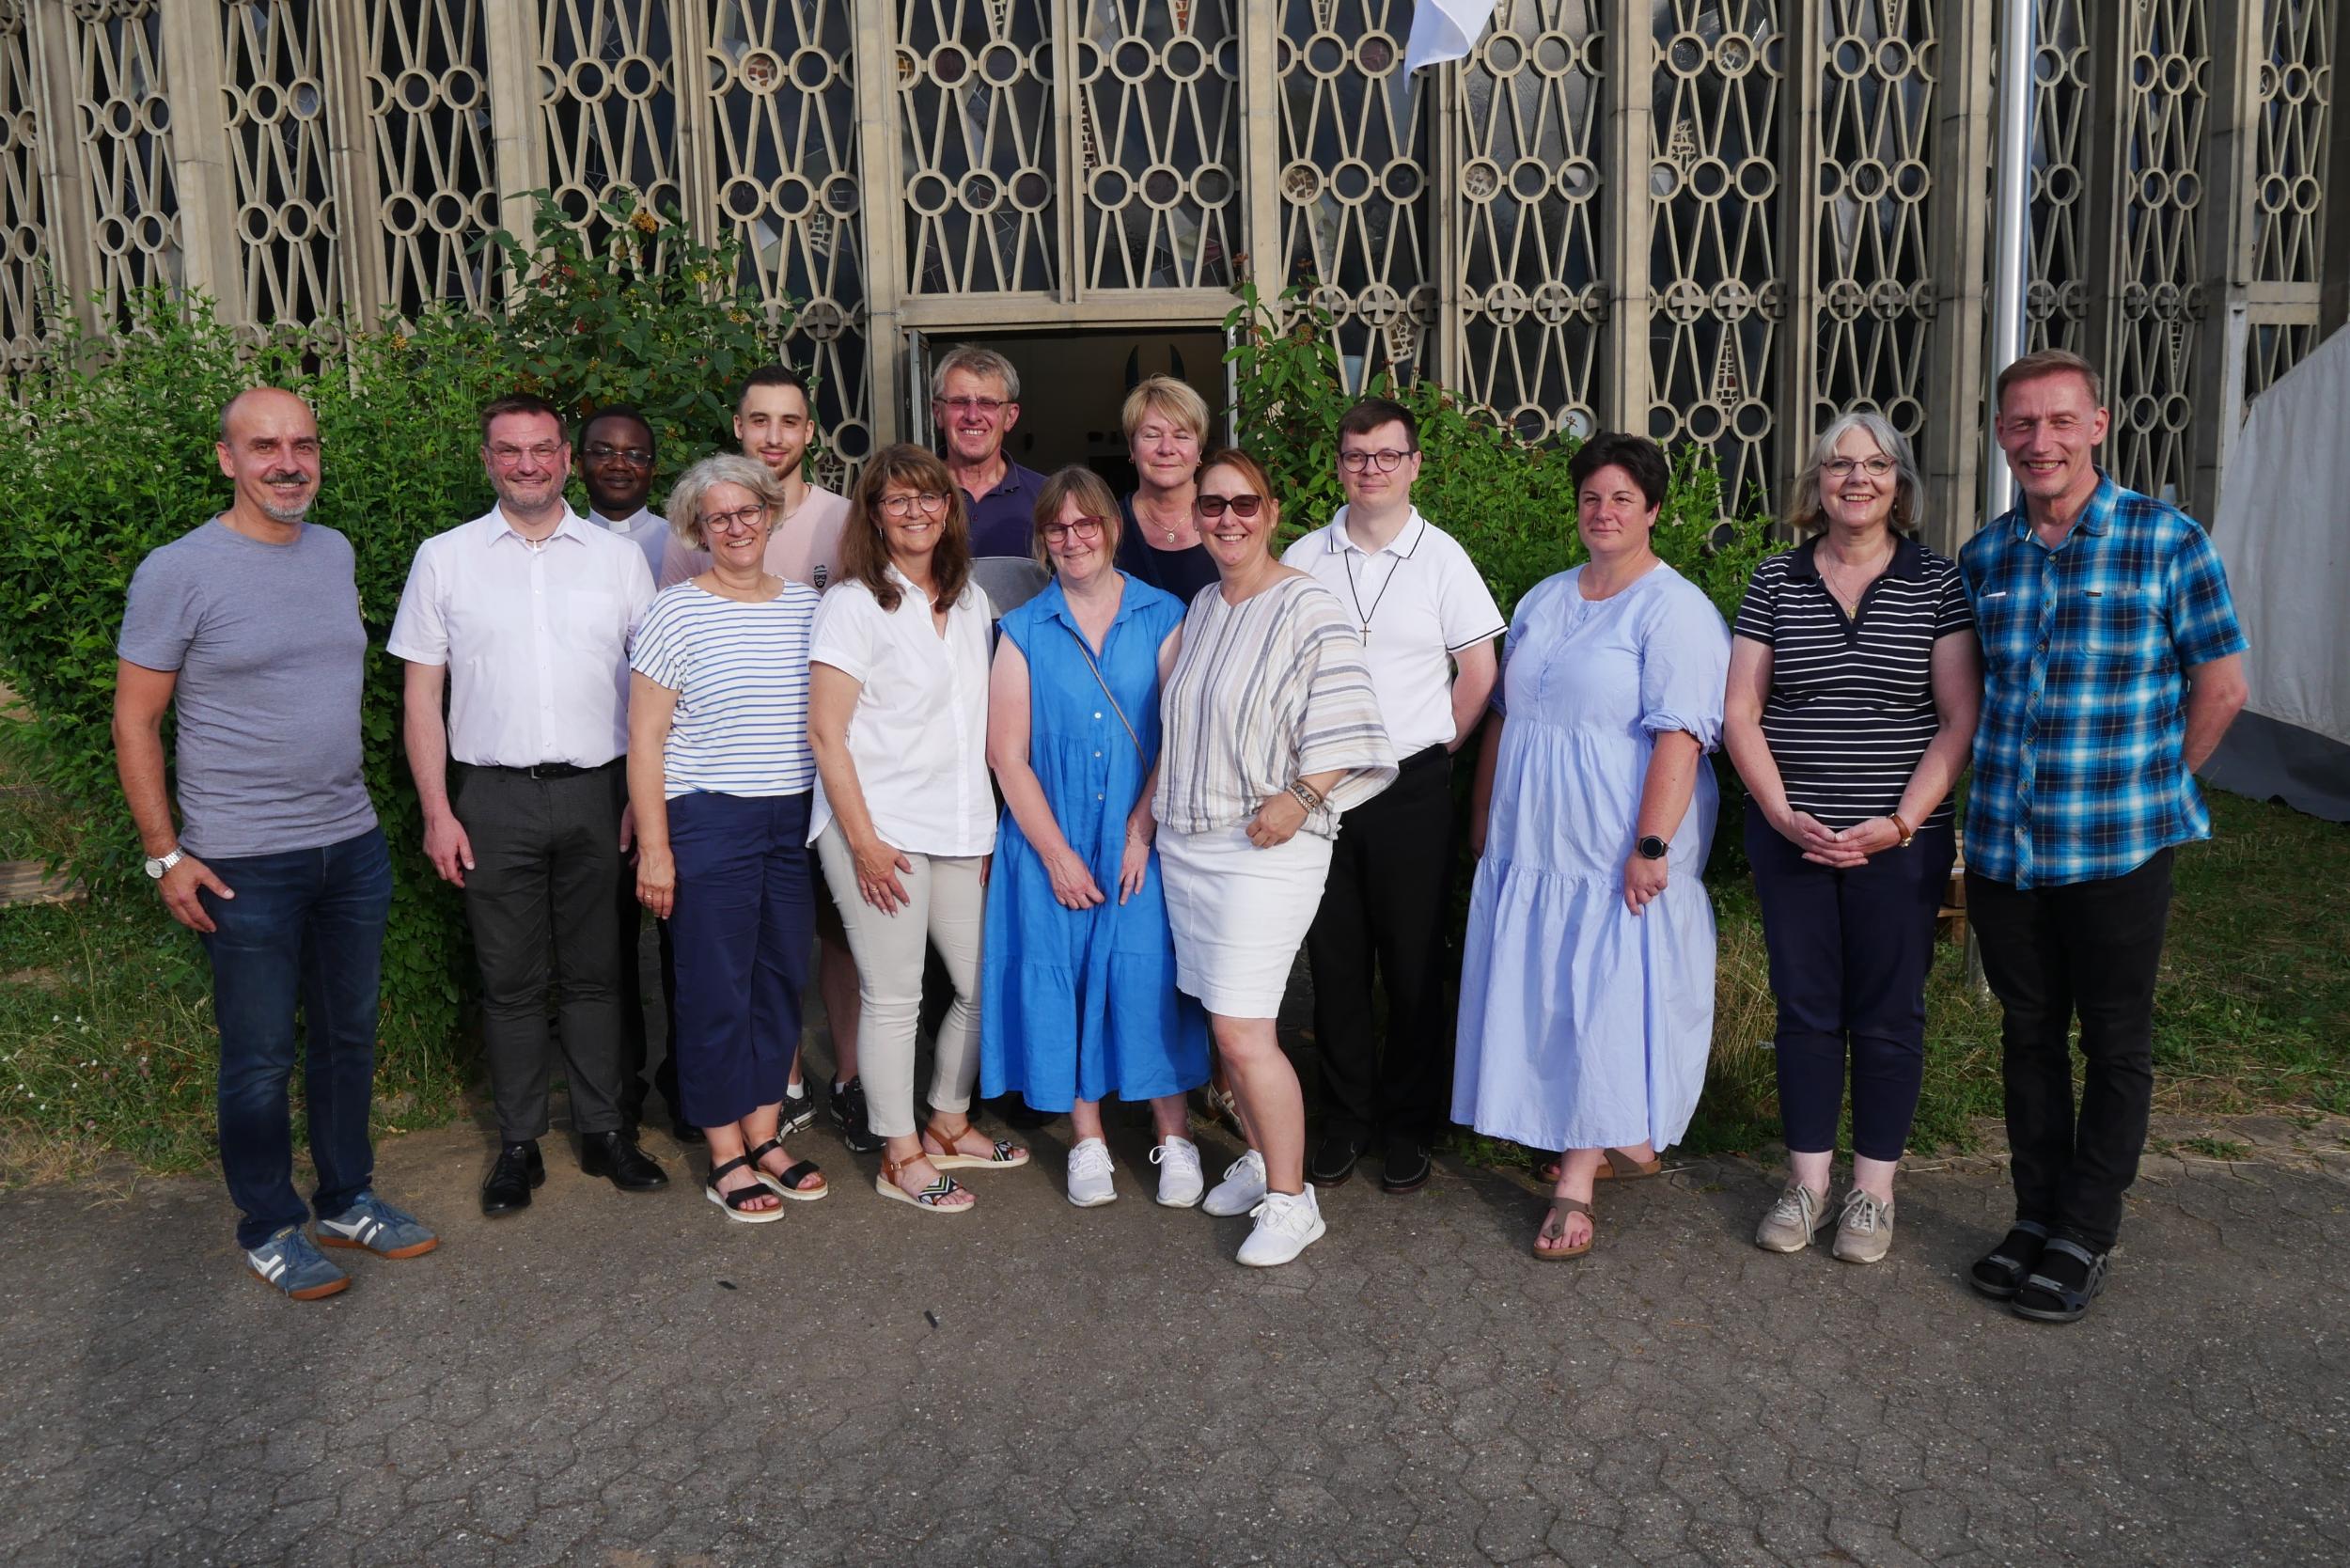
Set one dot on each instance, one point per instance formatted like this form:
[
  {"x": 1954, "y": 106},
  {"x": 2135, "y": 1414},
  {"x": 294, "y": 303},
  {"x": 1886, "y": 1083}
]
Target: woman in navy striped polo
[
  {"x": 1853, "y": 685},
  {"x": 720, "y": 775}
]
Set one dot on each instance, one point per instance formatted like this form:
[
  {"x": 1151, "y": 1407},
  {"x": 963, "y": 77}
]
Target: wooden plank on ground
[{"x": 30, "y": 882}]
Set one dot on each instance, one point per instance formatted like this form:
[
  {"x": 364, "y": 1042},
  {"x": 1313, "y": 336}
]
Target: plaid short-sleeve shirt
[{"x": 2079, "y": 764}]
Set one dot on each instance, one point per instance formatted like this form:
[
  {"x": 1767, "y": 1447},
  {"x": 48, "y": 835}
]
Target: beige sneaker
[
  {"x": 1864, "y": 1232},
  {"x": 1793, "y": 1222}
]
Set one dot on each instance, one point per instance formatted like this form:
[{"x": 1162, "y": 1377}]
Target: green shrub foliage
[{"x": 115, "y": 457}]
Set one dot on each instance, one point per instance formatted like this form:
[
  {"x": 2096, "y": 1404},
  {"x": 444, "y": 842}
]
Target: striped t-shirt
[
  {"x": 740, "y": 670},
  {"x": 1851, "y": 706},
  {"x": 1267, "y": 691}
]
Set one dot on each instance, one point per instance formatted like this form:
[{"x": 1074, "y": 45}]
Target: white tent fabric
[
  {"x": 1446, "y": 30},
  {"x": 2283, "y": 534}
]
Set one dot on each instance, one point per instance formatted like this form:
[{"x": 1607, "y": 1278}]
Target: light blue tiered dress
[
  {"x": 1081, "y": 1003},
  {"x": 1582, "y": 1025}
]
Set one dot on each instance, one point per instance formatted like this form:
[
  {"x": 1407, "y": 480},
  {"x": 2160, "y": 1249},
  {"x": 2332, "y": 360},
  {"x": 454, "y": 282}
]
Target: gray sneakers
[
  {"x": 1793, "y": 1222},
  {"x": 1864, "y": 1232},
  {"x": 290, "y": 1262}
]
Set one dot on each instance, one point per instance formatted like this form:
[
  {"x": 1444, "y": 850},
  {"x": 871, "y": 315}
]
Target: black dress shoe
[
  {"x": 1334, "y": 1160},
  {"x": 1406, "y": 1166},
  {"x": 518, "y": 1169},
  {"x": 616, "y": 1158}
]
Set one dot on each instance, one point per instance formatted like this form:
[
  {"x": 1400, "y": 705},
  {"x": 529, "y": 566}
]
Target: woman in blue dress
[
  {"x": 1586, "y": 987},
  {"x": 1077, "y": 1000}
]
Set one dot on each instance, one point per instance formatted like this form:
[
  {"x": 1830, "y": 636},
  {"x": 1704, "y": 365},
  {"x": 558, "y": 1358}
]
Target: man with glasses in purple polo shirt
[{"x": 975, "y": 401}]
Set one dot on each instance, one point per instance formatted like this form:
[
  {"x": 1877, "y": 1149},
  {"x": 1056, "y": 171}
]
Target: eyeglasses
[
  {"x": 741, "y": 520},
  {"x": 1841, "y": 467},
  {"x": 906, "y": 506},
  {"x": 989, "y": 406},
  {"x": 1242, "y": 505},
  {"x": 507, "y": 457},
  {"x": 599, "y": 451},
  {"x": 1388, "y": 461},
  {"x": 1083, "y": 527}
]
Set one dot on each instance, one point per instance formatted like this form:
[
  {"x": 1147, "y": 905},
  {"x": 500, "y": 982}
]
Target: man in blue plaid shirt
[{"x": 2112, "y": 665}]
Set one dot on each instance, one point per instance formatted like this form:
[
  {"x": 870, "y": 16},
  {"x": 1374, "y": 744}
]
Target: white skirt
[{"x": 1239, "y": 913}]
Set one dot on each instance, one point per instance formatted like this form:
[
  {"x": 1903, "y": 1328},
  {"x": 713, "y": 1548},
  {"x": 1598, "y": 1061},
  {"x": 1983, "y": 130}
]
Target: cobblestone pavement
[{"x": 632, "y": 1382}]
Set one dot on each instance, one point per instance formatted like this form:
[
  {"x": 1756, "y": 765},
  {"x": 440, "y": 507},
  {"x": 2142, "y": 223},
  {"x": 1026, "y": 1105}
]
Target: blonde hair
[{"x": 1169, "y": 398}]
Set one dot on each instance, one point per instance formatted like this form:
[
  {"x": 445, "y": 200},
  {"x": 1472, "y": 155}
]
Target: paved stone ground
[{"x": 632, "y": 1382}]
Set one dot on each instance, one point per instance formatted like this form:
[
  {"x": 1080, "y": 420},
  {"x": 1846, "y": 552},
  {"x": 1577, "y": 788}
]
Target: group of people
[{"x": 789, "y": 725}]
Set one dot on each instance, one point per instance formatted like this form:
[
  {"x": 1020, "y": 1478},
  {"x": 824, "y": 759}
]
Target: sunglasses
[{"x": 1242, "y": 505}]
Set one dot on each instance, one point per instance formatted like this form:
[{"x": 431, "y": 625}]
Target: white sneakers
[
  {"x": 1241, "y": 1187},
  {"x": 1287, "y": 1224},
  {"x": 1090, "y": 1185},
  {"x": 1180, "y": 1180}
]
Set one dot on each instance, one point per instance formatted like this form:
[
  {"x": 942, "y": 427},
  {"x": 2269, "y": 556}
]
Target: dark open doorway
[{"x": 1073, "y": 385}]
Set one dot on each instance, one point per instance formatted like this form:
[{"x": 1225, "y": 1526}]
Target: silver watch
[{"x": 156, "y": 868}]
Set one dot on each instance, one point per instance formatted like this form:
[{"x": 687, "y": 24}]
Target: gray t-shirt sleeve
[{"x": 160, "y": 619}]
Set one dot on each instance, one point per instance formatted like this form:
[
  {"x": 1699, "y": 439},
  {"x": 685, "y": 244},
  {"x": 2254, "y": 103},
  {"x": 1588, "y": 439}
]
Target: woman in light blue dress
[
  {"x": 1077, "y": 999},
  {"x": 1587, "y": 988}
]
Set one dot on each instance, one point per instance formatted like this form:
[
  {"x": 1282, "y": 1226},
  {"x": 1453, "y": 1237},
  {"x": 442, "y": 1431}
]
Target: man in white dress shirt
[
  {"x": 1427, "y": 624},
  {"x": 522, "y": 617}
]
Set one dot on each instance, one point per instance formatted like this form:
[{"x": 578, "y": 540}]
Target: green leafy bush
[{"x": 114, "y": 458}]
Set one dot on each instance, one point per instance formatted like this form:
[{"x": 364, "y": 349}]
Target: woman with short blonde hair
[{"x": 1167, "y": 427}]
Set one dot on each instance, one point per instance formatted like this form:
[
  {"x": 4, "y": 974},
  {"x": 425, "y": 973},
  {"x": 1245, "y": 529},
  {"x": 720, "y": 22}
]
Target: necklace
[
  {"x": 1146, "y": 516},
  {"x": 1355, "y": 590},
  {"x": 1837, "y": 573}
]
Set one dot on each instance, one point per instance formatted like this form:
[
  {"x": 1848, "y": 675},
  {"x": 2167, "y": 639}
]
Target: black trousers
[
  {"x": 1384, "y": 910},
  {"x": 539, "y": 899},
  {"x": 2091, "y": 950},
  {"x": 1849, "y": 955},
  {"x": 635, "y": 1044}
]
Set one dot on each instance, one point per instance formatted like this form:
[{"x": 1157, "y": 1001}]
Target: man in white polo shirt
[
  {"x": 523, "y": 617},
  {"x": 1428, "y": 625}
]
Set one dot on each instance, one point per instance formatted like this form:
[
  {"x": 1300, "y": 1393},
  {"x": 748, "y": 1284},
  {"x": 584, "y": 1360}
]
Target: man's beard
[{"x": 293, "y": 513}]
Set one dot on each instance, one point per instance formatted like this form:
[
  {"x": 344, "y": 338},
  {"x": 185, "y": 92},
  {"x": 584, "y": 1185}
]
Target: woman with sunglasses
[
  {"x": 897, "y": 716},
  {"x": 720, "y": 775},
  {"x": 1079, "y": 998},
  {"x": 1270, "y": 731}
]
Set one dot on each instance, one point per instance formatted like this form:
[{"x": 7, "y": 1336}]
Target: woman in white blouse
[
  {"x": 720, "y": 775},
  {"x": 904, "y": 813},
  {"x": 1269, "y": 729}
]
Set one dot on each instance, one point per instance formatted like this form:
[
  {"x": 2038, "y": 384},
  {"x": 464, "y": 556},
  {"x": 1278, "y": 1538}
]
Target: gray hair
[
  {"x": 1909, "y": 491},
  {"x": 685, "y": 497},
  {"x": 974, "y": 360}
]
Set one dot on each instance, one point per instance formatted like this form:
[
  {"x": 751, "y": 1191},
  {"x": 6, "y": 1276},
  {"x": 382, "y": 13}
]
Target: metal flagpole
[{"x": 2013, "y": 241}]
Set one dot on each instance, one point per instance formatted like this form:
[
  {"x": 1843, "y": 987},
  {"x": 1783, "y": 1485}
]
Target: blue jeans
[{"x": 305, "y": 930}]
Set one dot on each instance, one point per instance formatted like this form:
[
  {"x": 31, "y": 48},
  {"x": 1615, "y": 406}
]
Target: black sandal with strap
[
  {"x": 734, "y": 1202},
  {"x": 794, "y": 1183},
  {"x": 2001, "y": 1271},
  {"x": 2043, "y": 1298}
]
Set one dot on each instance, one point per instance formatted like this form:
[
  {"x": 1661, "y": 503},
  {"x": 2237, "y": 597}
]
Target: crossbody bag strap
[{"x": 1079, "y": 638}]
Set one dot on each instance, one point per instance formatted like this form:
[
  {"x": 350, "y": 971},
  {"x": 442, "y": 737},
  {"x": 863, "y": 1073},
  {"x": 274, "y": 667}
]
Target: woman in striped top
[
  {"x": 1269, "y": 729},
  {"x": 720, "y": 775},
  {"x": 1853, "y": 684}
]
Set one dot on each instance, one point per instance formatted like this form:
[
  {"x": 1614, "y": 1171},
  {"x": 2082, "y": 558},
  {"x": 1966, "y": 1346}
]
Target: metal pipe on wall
[{"x": 2010, "y": 258}]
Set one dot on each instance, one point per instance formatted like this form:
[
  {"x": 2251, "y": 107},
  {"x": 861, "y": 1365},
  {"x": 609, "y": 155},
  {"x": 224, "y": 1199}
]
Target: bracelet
[
  {"x": 1305, "y": 797},
  {"x": 1901, "y": 827}
]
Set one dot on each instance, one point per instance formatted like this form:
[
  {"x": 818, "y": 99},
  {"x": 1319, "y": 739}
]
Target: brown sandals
[
  {"x": 931, "y": 1199},
  {"x": 1002, "y": 1155},
  {"x": 1560, "y": 1209}
]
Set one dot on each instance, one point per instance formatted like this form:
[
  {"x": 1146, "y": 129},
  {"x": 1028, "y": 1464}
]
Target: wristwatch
[
  {"x": 156, "y": 868},
  {"x": 1651, "y": 847}
]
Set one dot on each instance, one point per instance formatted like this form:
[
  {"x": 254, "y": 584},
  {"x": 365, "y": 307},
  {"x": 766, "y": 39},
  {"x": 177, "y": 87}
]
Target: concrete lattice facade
[{"x": 1719, "y": 226}]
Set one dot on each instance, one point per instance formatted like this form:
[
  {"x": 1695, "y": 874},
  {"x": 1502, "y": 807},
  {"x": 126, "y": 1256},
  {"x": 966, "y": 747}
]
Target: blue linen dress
[
  {"x": 1582, "y": 1025},
  {"x": 1080, "y": 1004}
]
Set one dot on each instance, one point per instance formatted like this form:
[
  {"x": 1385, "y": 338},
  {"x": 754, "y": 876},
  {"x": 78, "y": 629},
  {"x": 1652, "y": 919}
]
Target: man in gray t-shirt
[{"x": 248, "y": 629}]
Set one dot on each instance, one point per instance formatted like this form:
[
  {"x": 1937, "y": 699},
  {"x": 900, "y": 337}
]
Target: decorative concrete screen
[{"x": 1719, "y": 224}]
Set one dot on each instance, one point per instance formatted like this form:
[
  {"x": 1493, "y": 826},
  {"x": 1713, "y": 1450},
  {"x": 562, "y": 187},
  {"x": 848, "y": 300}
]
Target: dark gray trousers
[{"x": 546, "y": 854}]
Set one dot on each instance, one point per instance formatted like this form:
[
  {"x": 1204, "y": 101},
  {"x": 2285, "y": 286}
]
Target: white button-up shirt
[
  {"x": 535, "y": 637},
  {"x": 1416, "y": 600},
  {"x": 646, "y": 529},
  {"x": 919, "y": 735}
]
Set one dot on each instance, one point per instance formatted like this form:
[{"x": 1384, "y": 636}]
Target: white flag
[{"x": 1445, "y": 30}]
